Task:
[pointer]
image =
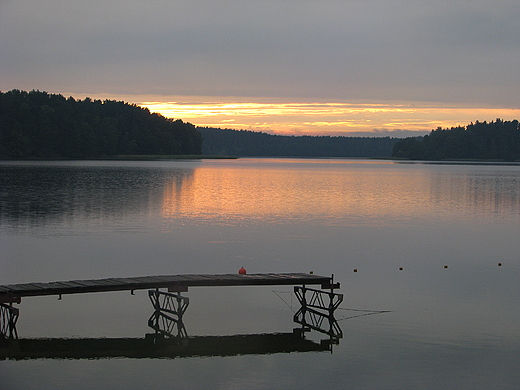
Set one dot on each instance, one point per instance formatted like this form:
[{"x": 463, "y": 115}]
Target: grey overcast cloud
[{"x": 283, "y": 66}]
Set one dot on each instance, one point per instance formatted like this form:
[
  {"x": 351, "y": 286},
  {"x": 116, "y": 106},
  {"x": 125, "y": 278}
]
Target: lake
[{"x": 427, "y": 256}]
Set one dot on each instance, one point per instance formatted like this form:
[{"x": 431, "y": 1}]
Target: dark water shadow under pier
[{"x": 138, "y": 348}]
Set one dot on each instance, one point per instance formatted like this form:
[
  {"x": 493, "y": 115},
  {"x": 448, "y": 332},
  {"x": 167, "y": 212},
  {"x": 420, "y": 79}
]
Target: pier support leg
[
  {"x": 8, "y": 318},
  {"x": 317, "y": 311},
  {"x": 167, "y": 317}
]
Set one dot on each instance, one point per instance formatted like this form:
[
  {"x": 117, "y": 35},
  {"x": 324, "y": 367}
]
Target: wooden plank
[
  {"x": 192, "y": 277},
  {"x": 20, "y": 287},
  {"x": 256, "y": 276},
  {"x": 172, "y": 278},
  {"x": 125, "y": 280},
  {"x": 146, "y": 279},
  {"x": 70, "y": 284},
  {"x": 107, "y": 282},
  {"x": 47, "y": 286},
  {"x": 82, "y": 283},
  {"x": 228, "y": 276},
  {"x": 93, "y": 283},
  {"x": 149, "y": 278}
]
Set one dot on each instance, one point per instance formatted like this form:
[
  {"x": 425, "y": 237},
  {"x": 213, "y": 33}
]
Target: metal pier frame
[
  {"x": 166, "y": 320},
  {"x": 317, "y": 311},
  {"x": 8, "y": 317}
]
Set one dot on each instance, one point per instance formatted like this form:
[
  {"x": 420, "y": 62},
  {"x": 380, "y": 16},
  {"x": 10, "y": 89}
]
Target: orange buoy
[{"x": 242, "y": 271}]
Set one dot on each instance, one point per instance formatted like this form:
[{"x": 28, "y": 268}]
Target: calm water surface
[{"x": 425, "y": 240}]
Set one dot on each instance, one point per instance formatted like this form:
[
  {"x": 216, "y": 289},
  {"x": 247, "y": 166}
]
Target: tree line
[
  {"x": 41, "y": 125},
  {"x": 496, "y": 140},
  {"x": 255, "y": 144}
]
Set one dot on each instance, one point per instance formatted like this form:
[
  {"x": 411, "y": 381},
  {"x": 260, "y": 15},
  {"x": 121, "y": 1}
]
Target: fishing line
[
  {"x": 365, "y": 312},
  {"x": 371, "y": 311},
  {"x": 368, "y": 313},
  {"x": 283, "y": 300}
]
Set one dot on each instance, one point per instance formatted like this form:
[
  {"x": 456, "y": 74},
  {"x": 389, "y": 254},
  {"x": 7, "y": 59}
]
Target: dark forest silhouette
[
  {"x": 40, "y": 125},
  {"x": 496, "y": 140},
  {"x": 250, "y": 143}
]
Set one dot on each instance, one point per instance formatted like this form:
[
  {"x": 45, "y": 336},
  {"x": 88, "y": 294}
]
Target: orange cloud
[
  {"x": 316, "y": 118},
  {"x": 325, "y": 118}
]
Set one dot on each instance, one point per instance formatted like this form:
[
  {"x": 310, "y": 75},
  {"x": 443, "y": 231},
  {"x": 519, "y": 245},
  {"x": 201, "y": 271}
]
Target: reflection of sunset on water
[
  {"x": 353, "y": 191},
  {"x": 342, "y": 191},
  {"x": 273, "y": 194}
]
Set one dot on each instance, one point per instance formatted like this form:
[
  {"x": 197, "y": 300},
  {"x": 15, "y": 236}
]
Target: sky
[{"x": 336, "y": 67}]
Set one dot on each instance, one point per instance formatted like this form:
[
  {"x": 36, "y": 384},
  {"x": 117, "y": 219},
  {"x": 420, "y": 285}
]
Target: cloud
[{"x": 463, "y": 52}]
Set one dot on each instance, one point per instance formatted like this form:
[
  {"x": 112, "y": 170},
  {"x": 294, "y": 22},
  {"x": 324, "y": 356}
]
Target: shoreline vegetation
[
  {"x": 129, "y": 158},
  {"x": 41, "y": 126},
  {"x": 492, "y": 142},
  {"x": 247, "y": 143}
]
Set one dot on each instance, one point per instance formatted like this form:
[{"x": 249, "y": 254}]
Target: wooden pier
[
  {"x": 174, "y": 283},
  {"x": 170, "y": 306}
]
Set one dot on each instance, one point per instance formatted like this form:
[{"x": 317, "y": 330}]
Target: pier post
[
  {"x": 8, "y": 318},
  {"x": 166, "y": 319},
  {"x": 314, "y": 311}
]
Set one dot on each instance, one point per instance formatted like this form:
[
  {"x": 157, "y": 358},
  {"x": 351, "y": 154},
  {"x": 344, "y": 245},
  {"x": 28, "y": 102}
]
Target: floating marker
[
  {"x": 445, "y": 266},
  {"x": 242, "y": 271},
  {"x": 500, "y": 264},
  {"x": 355, "y": 269},
  {"x": 400, "y": 268}
]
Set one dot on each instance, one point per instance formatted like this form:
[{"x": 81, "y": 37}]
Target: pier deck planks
[{"x": 10, "y": 292}]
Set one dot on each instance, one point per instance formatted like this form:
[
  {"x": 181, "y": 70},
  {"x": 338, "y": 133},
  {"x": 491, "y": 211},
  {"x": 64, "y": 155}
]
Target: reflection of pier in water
[
  {"x": 316, "y": 311},
  {"x": 197, "y": 346}
]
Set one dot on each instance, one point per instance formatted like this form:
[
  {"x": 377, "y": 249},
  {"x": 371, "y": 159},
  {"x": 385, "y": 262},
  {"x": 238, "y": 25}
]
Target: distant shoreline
[
  {"x": 457, "y": 162},
  {"x": 129, "y": 158},
  {"x": 215, "y": 157}
]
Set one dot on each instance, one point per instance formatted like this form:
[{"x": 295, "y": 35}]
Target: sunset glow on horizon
[{"x": 331, "y": 118}]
